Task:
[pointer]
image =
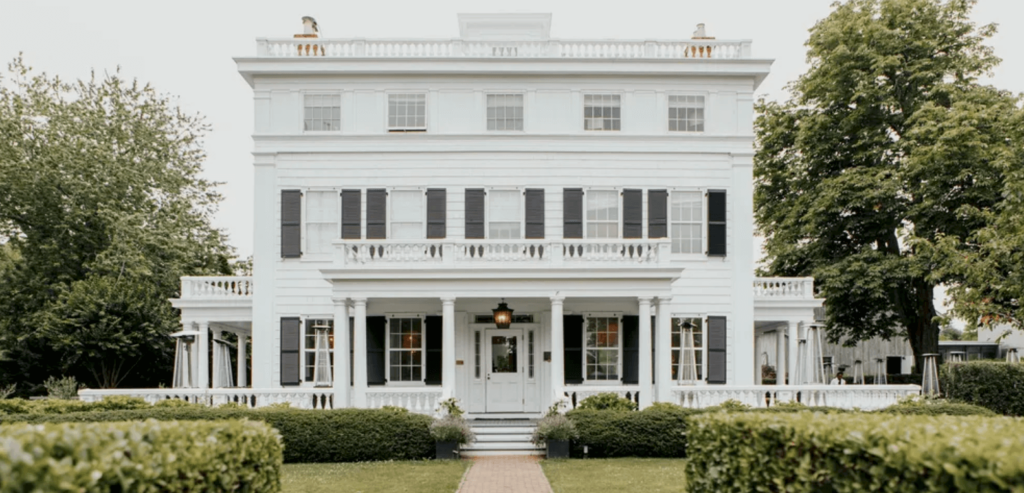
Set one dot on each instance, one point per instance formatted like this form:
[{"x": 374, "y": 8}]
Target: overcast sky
[{"x": 185, "y": 48}]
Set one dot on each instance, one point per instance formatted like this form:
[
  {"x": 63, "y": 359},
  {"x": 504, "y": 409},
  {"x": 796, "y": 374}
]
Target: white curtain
[
  {"x": 223, "y": 360},
  {"x": 322, "y": 360},
  {"x": 687, "y": 357},
  {"x": 182, "y": 364}
]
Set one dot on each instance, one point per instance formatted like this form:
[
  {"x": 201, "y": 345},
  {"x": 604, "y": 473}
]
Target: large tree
[
  {"x": 887, "y": 146},
  {"x": 102, "y": 209}
]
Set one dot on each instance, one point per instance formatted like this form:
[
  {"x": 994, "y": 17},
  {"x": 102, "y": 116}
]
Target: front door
[{"x": 504, "y": 370}]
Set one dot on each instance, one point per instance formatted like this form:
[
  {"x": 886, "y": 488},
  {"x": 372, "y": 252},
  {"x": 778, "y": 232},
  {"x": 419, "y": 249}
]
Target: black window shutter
[
  {"x": 376, "y": 214},
  {"x": 351, "y": 214},
  {"x": 572, "y": 213},
  {"x": 657, "y": 214},
  {"x": 291, "y": 223},
  {"x": 632, "y": 213},
  {"x": 434, "y": 331},
  {"x": 475, "y": 213},
  {"x": 436, "y": 213},
  {"x": 290, "y": 340},
  {"x": 716, "y": 350},
  {"x": 535, "y": 213},
  {"x": 572, "y": 335},
  {"x": 716, "y": 223},
  {"x": 630, "y": 349},
  {"x": 376, "y": 332}
]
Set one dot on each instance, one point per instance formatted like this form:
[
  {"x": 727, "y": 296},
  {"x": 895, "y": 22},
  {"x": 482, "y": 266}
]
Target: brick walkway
[{"x": 509, "y": 474}]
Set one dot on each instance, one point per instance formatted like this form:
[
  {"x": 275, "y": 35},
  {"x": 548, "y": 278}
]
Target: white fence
[
  {"x": 864, "y": 397},
  {"x": 415, "y": 400}
]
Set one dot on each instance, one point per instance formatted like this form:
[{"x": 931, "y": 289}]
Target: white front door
[{"x": 504, "y": 366}]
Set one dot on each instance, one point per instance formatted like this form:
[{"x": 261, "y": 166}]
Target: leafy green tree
[
  {"x": 102, "y": 209},
  {"x": 888, "y": 146}
]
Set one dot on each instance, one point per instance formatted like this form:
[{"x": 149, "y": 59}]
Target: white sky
[{"x": 185, "y": 48}]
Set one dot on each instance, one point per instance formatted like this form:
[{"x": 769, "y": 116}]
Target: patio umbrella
[
  {"x": 687, "y": 355},
  {"x": 322, "y": 357},
  {"x": 224, "y": 377},
  {"x": 930, "y": 383},
  {"x": 182, "y": 377}
]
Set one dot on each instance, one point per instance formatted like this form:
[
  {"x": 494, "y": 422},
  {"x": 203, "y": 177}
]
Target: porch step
[{"x": 502, "y": 437}]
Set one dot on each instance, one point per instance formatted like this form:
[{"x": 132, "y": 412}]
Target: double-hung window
[
  {"x": 602, "y": 213},
  {"x": 505, "y": 214},
  {"x": 322, "y": 211},
  {"x": 407, "y": 112},
  {"x": 602, "y": 112},
  {"x": 686, "y": 215},
  {"x": 504, "y": 112},
  {"x": 322, "y": 112},
  {"x": 602, "y": 348},
  {"x": 405, "y": 350},
  {"x": 687, "y": 359},
  {"x": 407, "y": 214},
  {"x": 309, "y": 346},
  {"x": 686, "y": 113}
]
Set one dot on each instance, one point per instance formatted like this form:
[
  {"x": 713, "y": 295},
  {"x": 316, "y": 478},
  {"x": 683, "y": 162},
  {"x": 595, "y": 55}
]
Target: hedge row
[
  {"x": 149, "y": 456},
  {"x": 809, "y": 452},
  {"x": 996, "y": 385},
  {"x": 59, "y": 406},
  {"x": 339, "y": 435}
]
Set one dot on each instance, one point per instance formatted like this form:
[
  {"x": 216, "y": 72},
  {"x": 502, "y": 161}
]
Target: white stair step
[
  {"x": 524, "y": 437},
  {"x": 501, "y": 446},
  {"x": 502, "y": 430},
  {"x": 482, "y": 453}
]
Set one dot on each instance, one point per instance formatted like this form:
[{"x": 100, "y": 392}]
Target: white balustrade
[
  {"x": 577, "y": 393},
  {"x": 448, "y": 252},
  {"x": 458, "y": 48},
  {"x": 225, "y": 287},
  {"x": 639, "y": 251},
  {"x": 385, "y": 251},
  {"x": 299, "y": 398},
  {"x": 784, "y": 287},
  {"x": 417, "y": 400},
  {"x": 864, "y": 397}
]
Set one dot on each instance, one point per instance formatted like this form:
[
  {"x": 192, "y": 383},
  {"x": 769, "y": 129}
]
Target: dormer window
[
  {"x": 322, "y": 113},
  {"x": 407, "y": 113},
  {"x": 602, "y": 112}
]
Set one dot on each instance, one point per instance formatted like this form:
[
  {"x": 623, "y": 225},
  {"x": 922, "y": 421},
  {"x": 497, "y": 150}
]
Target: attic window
[
  {"x": 407, "y": 113},
  {"x": 322, "y": 112}
]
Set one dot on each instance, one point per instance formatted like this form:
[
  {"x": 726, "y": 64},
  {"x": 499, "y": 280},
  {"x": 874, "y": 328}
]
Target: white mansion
[{"x": 404, "y": 188}]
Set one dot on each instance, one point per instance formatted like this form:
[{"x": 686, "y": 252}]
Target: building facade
[{"x": 603, "y": 190}]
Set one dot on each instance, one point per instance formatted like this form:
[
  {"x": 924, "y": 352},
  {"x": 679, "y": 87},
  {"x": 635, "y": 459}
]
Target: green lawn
[
  {"x": 375, "y": 477},
  {"x": 626, "y": 474}
]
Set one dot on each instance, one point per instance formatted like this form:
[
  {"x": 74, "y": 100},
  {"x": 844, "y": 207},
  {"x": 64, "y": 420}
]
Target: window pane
[
  {"x": 321, "y": 112},
  {"x": 601, "y": 112},
  {"x": 686, "y": 113},
  {"x": 686, "y": 222},
  {"x": 407, "y": 111},
  {"x": 504, "y": 112},
  {"x": 602, "y": 214}
]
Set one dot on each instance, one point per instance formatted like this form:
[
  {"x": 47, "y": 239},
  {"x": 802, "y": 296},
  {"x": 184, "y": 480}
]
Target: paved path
[{"x": 505, "y": 474}]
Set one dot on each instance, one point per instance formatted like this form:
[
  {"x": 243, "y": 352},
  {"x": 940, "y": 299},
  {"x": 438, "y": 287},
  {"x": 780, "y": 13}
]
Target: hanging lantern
[{"x": 502, "y": 315}]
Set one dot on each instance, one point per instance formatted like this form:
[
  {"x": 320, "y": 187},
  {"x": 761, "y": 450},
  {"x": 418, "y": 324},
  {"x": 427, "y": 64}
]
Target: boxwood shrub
[
  {"x": 658, "y": 431},
  {"x": 811, "y": 452},
  {"x": 996, "y": 385},
  {"x": 937, "y": 407},
  {"x": 339, "y": 435},
  {"x": 146, "y": 456},
  {"x": 59, "y": 406}
]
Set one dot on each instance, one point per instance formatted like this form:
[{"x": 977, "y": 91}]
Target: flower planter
[
  {"x": 447, "y": 450},
  {"x": 558, "y": 449}
]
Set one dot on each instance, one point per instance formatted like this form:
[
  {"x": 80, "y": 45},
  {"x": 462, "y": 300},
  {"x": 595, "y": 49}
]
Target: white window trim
[
  {"x": 387, "y": 350},
  {"x": 702, "y": 254},
  {"x": 498, "y": 93},
  {"x": 703, "y": 348},
  {"x": 488, "y": 208},
  {"x": 666, "y": 106},
  {"x": 303, "y": 350},
  {"x": 302, "y": 111},
  {"x": 618, "y": 362},
  {"x": 413, "y": 130},
  {"x": 317, "y": 257},
  {"x": 586, "y": 220},
  {"x": 622, "y": 110},
  {"x": 391, "y": 208}
]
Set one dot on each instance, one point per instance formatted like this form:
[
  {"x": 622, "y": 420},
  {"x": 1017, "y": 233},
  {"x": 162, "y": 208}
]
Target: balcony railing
[
  {"x": 865, "y": 397},
  {"x": 784, "y": 288},
  {"x": 458, "y": 48},
  {"x": 462, "y": 253},
  {"x": 301, "y": 398},
  {"x": 216, "y": 288}
]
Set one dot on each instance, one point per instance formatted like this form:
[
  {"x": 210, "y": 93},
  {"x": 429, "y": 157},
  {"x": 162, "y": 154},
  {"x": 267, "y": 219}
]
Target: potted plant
[
  {"x": 555, "y": 430},
  {"x": 450, "y": 430}
]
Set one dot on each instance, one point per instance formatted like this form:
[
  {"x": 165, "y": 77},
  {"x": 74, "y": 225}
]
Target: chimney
[
  {"x": 309, "y": 28},
  {"x": 700, "y": 33}
]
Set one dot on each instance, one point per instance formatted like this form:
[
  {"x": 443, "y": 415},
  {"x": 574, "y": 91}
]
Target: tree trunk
[{"x": 922, "y": 330}]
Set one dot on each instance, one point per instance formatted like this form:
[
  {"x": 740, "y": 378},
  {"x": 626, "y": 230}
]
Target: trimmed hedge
[
  {"x": 936, "y": 407},
  {"x": 339, "y": 435},
  {"x": 658, "y": 431},
  {"x": 811, "y": 452},
  {"x": 149, "y": 456},
  {"x": 59, "y": 406},
  {"x": 996, "y": 385}
]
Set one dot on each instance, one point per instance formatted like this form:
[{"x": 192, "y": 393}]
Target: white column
[
  {"x": 557, "y": 349},
  {"x": 780, "y": 355},
  {"x": 663, "y": 346},
  {"x": 242, "y": 369},
  {"x": 203, "y": 353},
  {"x": 447, "y": 347},
  {"x": 265, "y": 322},
  {"x": 794, "y": 344},
  {"x": 341, "y": 353},
  {"x": 359, "y": 356},
  {"x": 645, "y": 374},
  {"x": 742, "y": 355}
]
